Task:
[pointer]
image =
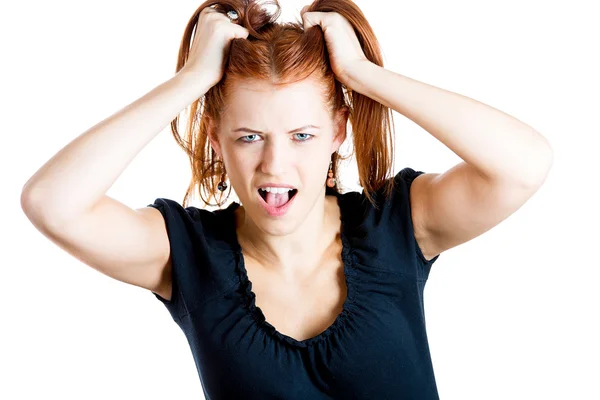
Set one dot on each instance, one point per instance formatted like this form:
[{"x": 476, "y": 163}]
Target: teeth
[{"x": 275, "y": 190}]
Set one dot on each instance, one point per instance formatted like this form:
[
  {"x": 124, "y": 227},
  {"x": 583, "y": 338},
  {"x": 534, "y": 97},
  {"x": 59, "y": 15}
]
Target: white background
[{"x": 512, "y": 314}]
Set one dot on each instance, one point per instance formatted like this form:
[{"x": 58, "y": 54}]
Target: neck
[{"x": 297, "y": 252}]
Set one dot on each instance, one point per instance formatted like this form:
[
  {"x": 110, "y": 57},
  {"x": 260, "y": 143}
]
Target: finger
[
  {"x": 209, "y": 10},
  {"x": 216, "y": 14},
  {"x": 240, "y": 32},
  {"x": 312, "y": 18}
]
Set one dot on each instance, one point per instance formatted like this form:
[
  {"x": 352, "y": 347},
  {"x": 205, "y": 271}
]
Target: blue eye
[
  {"x": 247, "y": 141},
  {"x": 308, "y": 136},
  {"x": 305, "y": 138}
]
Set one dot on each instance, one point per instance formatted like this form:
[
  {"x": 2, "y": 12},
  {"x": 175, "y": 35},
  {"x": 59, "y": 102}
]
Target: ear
[
  {"x": 213, "y": 137},
  {"x": 340, "y": 124}
]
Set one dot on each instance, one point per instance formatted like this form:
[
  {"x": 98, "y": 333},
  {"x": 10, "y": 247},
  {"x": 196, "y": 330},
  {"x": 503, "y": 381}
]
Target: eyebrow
[{"x": 244, "y": 129}]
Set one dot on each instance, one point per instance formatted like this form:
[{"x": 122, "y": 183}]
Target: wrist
[
  {"x": 193, "y": 82},
  {"x": 356, "y": 74}
]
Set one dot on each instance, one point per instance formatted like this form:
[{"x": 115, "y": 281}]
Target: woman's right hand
[{"x": 210, "y": 46}]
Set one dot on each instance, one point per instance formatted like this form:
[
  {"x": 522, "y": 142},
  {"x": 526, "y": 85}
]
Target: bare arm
[
  {"x": 75, "y": 179},
  {"x": 66, "y": 201}
]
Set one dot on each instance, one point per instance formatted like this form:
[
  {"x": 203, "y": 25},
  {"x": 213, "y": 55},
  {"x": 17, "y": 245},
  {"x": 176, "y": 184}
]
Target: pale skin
[
  {"x": 300, "y": 158},
  {"x": 506, "y": 162},
  {"x": 294, "y": 262}
]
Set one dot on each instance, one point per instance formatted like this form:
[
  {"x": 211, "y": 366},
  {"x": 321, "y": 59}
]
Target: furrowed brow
[{"x": 248, "y": 130}]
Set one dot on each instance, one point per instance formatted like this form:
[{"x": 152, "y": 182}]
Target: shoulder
[
  {"x": 172, "y": 209},
  {"x": 387, "y": 233},
  {"x": 405, "y": 207},
  {"x": 418, "y": 203},
  {"x": 196, "y": 227}
]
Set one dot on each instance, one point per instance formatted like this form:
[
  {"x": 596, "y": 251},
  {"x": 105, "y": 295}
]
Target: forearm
[
  {"x": 497, "y": 144},
  {"x": 80, "y": 174}
]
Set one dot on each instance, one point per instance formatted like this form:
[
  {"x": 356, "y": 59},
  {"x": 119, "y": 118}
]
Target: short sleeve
[
  {"x": 403, "y": 181},
  {"x": 179, "y": 222},
  {"x": 381, "y": 232}
]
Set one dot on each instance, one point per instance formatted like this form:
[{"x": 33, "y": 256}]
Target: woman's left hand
[{"x": 343, "y": 46}]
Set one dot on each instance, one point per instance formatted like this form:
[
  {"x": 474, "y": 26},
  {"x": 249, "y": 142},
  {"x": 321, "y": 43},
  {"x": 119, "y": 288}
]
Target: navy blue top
[{"x": 377, "y": 347}]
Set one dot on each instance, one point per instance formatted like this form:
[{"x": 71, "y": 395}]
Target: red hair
[{"x": 283, "y": 53}]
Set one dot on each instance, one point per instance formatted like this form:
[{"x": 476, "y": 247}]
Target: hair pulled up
[{"x": 283, "y": 53}]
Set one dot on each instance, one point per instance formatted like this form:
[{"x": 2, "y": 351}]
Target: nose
[{"x": 275, "y": 156}]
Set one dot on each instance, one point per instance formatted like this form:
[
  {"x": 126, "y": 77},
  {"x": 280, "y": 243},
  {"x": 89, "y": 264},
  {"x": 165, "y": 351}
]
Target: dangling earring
[
  {"x": 222, "y": 186},
  {"x": 331, "y": 180}
]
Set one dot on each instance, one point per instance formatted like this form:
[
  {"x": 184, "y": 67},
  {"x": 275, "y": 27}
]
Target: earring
[
  {"x": 222, "y": 186},
  {"x": 331, "y": 180}
]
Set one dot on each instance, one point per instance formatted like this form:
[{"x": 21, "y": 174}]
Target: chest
[{"x": 303, "y": 306}]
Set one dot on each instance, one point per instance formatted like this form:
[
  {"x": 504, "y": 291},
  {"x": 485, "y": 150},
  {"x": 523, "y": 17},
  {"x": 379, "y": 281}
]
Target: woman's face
[{"x": 278, "y": 135}]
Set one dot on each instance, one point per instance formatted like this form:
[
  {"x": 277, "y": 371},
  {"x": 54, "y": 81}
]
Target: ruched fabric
[{"x": 377, "y": 346}]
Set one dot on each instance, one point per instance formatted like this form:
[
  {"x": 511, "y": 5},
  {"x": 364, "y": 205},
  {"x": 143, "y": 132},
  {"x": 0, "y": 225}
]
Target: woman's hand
[
  {"x": 343, "y": 46},
  {"x": 210, "y": 46}
]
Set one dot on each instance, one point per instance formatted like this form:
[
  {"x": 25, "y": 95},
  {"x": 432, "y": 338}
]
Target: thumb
[
  {"x": 311, "y": 18},
  {"x": 239, "y": 32}
]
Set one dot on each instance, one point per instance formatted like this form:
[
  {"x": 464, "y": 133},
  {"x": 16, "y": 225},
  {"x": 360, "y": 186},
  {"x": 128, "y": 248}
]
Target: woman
[{"x": 308, "y": 293}]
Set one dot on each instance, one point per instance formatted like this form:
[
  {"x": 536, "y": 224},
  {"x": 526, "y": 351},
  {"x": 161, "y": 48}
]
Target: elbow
[
  {"x": 30, "y": 205},
  {"x": 541, "y": 164}
]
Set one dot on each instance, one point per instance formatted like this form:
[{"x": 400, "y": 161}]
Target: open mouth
[{"x": 263, "y": 194}]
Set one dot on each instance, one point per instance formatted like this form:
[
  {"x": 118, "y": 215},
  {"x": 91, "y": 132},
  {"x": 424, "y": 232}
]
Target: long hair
[{"x": 283, "y": 53}]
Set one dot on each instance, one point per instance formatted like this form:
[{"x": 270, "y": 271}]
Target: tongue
[{"x": 277, "y": 199}]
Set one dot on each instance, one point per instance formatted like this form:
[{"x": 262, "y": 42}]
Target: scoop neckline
[{"x": 249, "y": 297}]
